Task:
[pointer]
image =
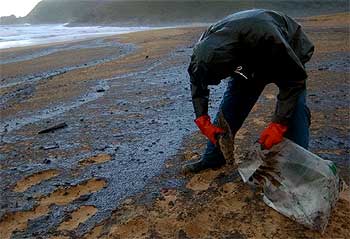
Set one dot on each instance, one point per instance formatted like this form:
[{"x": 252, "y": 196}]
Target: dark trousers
[{"x": 240, "y": 97}]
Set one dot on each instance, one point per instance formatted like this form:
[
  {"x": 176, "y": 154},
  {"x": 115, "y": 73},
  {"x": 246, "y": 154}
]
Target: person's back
[{"x": 256, "y": 38}]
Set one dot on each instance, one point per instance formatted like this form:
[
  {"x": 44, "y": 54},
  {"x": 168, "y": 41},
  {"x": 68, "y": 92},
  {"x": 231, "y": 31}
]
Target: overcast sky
[{"x": 19, "y": 8}]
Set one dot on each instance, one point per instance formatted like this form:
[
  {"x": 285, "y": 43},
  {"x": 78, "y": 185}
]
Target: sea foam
[{"x": 29, "y": 35}]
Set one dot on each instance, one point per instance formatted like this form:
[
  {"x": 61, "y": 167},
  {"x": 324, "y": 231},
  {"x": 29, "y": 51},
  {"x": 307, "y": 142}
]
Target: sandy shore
[{"x": 113, "y": 171}]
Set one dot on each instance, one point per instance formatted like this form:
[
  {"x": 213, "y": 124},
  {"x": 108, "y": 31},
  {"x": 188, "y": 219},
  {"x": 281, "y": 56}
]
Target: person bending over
[{"x": 254, "y": 48}]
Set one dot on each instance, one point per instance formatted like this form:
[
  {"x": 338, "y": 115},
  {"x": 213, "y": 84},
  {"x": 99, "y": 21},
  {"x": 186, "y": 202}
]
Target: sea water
[{"x": 29, "y": 35}]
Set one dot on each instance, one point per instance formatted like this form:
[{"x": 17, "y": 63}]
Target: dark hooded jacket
[{"x": 271, "y": 47}]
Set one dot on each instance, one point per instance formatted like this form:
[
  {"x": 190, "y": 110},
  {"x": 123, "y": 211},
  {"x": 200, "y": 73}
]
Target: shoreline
[
  {"x": 91, "y": 38},
  {"x": 300, "y": 19}
]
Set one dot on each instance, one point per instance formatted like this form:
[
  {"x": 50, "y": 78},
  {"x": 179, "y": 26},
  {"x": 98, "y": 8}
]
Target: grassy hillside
[{"x": 166, "y": 12}]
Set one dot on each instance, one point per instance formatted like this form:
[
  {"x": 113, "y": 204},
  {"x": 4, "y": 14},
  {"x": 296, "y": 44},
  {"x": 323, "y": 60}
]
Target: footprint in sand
[
  {"x": 98, "y": 159},
  {"x": 34, "y": 179},
  {"x": 202, "y": 181},
  {"x": 62, "y": 196},
  {"x": 80, "y": 215}
]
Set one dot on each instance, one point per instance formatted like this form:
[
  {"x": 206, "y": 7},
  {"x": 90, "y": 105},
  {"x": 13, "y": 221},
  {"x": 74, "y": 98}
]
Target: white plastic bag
[{"x": 296, "y": 182}]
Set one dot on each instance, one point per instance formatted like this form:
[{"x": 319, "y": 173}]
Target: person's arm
[
  {"x": 199, "y": 91},
  {"x": 300, "y": 42},
  {"x": 291, "y": 84},
  {"x": 293, "y": 55},
  {"x": 200, "y": 99},
  {"x": 286, "y": 100}
]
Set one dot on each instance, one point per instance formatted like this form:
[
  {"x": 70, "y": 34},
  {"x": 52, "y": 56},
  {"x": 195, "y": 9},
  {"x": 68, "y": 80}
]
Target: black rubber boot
[{"x": 213, "y": 160}]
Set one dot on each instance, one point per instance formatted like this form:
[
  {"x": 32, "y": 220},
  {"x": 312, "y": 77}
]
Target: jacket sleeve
[
  {"x": 210, "y": 63},
  {"x": 300, "y": 43},
  {"x": 199, "y": 90},
  {"x": 292, "y": 56},
  {"x": 292, "y": 84},
  {"x": 287, "y": 99}
]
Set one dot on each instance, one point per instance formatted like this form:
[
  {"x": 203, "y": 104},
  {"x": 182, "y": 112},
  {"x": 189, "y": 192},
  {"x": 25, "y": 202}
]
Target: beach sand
[{"x": 114, "y": 170}]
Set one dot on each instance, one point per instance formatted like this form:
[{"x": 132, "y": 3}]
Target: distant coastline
[{"x": 160, "y": 13}]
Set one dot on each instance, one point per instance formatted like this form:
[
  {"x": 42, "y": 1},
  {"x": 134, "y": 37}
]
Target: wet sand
[{"x": 114, "y": 171}]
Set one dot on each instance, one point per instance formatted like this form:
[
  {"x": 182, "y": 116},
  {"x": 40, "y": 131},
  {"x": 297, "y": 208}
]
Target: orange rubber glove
[
  {"x": 272, "y": 135},
  {"x": 207, "y": 128}
]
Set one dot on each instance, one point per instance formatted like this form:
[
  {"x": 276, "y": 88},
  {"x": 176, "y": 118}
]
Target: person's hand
[
  {"x": 207, "y": 128},
  {"x": 272, "y": 135}
]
